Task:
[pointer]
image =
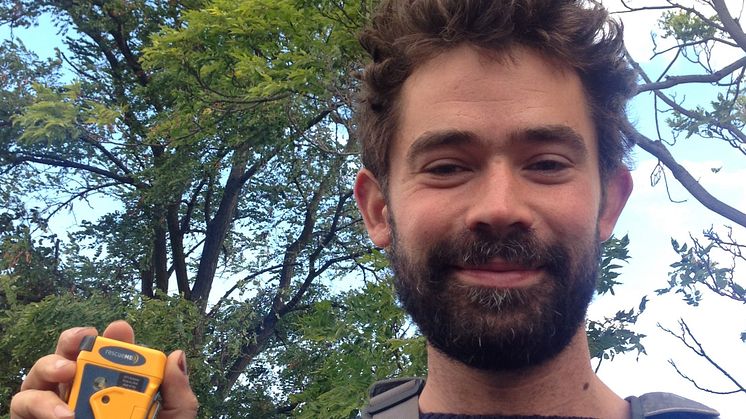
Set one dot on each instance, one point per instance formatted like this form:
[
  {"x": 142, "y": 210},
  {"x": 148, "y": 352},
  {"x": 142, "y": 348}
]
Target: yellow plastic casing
[{"x": 116, "y": 380}]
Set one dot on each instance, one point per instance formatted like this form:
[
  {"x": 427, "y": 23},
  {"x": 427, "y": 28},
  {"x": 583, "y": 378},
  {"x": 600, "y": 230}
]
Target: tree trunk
[
  {"x": 176, "y": 236},
  {"x": 146, "y": 276},
  {"x": 217, "y": 229},
  {"x": 160, "y": 261}
]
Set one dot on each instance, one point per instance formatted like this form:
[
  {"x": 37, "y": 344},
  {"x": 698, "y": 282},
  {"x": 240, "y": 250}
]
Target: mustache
[{"x": 521, "y": 248}]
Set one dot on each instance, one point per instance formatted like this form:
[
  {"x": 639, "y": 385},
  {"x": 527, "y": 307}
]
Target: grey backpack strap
[
  {"x": 668, "y": 405},
  {"x": 397, "y": 398}
]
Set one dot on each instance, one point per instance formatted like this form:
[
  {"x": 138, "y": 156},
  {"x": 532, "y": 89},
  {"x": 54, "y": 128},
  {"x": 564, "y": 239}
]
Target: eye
[
  {"x": 549, "y": 169},
  {"x": 444, "y": 169},
  {"x": 548, "y": 165}
]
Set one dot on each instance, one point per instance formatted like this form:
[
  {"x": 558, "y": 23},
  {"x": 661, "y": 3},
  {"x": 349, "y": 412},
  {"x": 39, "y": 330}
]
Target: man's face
[{"x": 493, "y": 214}]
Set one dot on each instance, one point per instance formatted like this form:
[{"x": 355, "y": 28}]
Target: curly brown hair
[{"x": 403, "y": 33}]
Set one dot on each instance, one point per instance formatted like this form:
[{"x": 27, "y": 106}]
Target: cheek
[
  {"x": 413, "y": 202},
  {"x": 417, "y": 230},
  {"x": 572, "y": 219},
  {"x": 421, "y": 222}
]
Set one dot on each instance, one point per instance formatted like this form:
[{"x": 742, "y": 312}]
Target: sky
[{"x": 651, "y": 220}]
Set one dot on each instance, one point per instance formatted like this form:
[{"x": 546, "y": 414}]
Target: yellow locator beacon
[{"x": 116, "y": 380}]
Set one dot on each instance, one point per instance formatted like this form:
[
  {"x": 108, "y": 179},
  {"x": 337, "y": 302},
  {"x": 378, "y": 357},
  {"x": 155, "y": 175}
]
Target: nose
[{"x": 499, "y": 202}]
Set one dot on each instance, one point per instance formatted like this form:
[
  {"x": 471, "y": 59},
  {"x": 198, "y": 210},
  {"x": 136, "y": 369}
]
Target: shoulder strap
[
  {"x": 664, "y": 405},
  {"x": 396, "y": 398}
]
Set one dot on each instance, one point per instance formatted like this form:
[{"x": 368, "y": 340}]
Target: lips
[{"x": 498, "y": 275}]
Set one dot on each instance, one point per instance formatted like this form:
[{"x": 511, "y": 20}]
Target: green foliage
[
  {"x": 697, "y": 37},
  {"x": 251, "y": 48},
  {"x": 614, "y": 250},
  {"x": 685, "y": 26},
  {"x": 182, "y": 117},
  {"x": 29, "y": 262},
  {"x": 52, "y": 116},
  {"x": 166, "y": 323},
  {"x": 346, "y": 345},
  {"x": 701, "y": 265},
  {"x": 217, "y": 132},
  {"x": 30, "y": 331},
  {"x": 613, "y": 335},
  {"x": 724, "y": 113}
]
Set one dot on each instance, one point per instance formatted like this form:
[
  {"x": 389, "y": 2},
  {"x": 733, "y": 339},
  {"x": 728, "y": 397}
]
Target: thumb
[{"x": 179, "y": 402}]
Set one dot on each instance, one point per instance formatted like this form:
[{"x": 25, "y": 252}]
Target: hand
[{"x": 40, "y": 393}]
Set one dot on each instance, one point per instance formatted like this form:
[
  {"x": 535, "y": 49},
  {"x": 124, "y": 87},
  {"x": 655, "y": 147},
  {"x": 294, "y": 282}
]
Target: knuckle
[
  {"x": 192, "y": 404},
  {"x": 68, "y": 341},
  {"x": 70, "y": 333},
  {"x": 30, "y": 403},
  {"x": 191, "y": 401},
  {"x": 43, "y": 371},
  {"x": 15, "y": 402}
]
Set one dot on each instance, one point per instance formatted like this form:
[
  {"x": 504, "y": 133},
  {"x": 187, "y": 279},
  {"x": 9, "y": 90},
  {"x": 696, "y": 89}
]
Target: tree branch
[
  {"x": 78, "y": 195},
  {"x": 312, "y": 275},
  {"x": 658, "y": 150},
  {"x": 57, "y": 162},
  {"x": 237, "y": 285},
  {"x": 631, "y": 9},
  {"x": 186, "y": 221},
  {"x": 694, "y": 78},
  {"x": 696, "y": 384},
  {"x": 132, "y": 61},
  {"x": 696, "y": 347},
  {"x": 100, "y": 147},
  {"x": 729, "y": 24}
]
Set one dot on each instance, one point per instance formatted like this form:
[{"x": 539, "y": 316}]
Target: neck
[{"x": 563, "y": 386}]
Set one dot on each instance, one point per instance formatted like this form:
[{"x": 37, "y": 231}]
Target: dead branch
[{"x": 687, "y": 338}]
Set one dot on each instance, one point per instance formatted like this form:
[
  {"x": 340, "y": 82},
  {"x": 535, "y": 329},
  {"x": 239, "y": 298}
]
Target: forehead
[{"x": 491, "y": 97}]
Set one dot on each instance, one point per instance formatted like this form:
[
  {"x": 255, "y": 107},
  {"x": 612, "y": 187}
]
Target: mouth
[{"x": 498, "y": 274}]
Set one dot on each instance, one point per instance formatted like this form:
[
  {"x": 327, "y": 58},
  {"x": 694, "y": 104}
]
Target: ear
[
  {"x": 372, "y": 204},
  {"x": 617, "y": 190}
]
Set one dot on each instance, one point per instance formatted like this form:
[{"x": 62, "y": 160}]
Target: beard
[{"x": 492, "y": 328}]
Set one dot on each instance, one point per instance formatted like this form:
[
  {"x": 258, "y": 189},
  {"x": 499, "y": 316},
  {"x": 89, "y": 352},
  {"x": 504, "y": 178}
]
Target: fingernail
[
  {"x": 62, "y": 411},
  {"x": 182, "y": 364}
]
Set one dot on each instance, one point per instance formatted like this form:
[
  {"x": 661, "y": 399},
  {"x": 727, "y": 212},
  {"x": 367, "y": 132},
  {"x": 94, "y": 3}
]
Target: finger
[
  {"x": 68, "y": 345},
  {"x": 179, "y": 402},
  {"x": 48, "y": 372},
  {"x": 120, "y": 330},
  {"x": 38, "y": 404}
]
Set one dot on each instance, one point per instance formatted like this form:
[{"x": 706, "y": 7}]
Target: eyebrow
[
  {"x": 558, "y": 134},
  {"x": 430, "y": 140},
  {"x": 544, "y": 134}
]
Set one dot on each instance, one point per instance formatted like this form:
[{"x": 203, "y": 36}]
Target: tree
[
  {"x": 219, "y": 135},
  {"x": 690, "y": 45},
  {"x": 224, "y": 145}
]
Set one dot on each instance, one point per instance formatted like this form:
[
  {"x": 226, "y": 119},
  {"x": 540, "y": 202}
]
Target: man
[
  {"x": 493, "y": 157},
  {"x": 494, "y": 169}
]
